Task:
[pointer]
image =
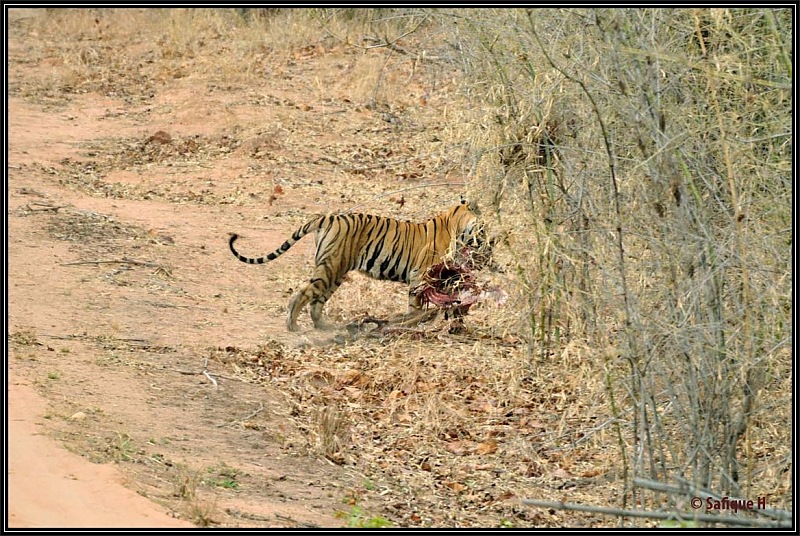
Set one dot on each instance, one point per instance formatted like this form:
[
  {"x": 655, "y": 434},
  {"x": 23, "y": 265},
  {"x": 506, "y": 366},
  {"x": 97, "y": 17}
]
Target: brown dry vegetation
[{"x": 647, "y": 257}]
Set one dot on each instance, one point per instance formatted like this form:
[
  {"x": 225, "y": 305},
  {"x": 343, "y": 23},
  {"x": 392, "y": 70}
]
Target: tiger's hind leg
[
  {"x": 317, "y": 304},
  {"x": 313, "y": 293},
  {"x": 299, "y": 301},
  {"x": 331, "y": 267},
  {"x": 316, "y": 293}
]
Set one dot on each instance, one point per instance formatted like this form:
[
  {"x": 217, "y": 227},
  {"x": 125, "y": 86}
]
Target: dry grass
[
  {"x": 645, "y": 216},
  {"x": 454, "y": 426},
  {"x": 217, "y": 46}
]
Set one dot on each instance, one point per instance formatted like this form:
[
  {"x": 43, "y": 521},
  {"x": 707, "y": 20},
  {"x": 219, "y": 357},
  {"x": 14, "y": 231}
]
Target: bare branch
[
  {"x": 120, "y": 261},
  {"x": 679, "y": 516}
]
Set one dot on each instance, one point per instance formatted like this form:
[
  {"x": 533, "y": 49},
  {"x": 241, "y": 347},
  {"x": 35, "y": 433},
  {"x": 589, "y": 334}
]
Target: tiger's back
[{"x": 380, "y": 247}]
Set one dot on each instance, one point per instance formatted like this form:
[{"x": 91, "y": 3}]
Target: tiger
[{"x": 380, "y": 247}]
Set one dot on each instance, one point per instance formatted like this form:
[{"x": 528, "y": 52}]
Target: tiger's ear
[{"x": 471, "y": 203}]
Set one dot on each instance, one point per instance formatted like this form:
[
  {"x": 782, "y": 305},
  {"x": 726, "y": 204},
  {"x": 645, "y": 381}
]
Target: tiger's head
[{"x": 469, "y": 235}]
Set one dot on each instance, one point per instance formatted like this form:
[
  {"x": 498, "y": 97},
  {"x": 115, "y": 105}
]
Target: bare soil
[{"x": 151, "y": 379}]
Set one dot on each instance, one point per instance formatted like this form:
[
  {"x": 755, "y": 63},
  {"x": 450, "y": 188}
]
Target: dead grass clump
[
  {"x": 195, "y": 505},
  {"x": 89, "y": 227},
  {"x": 159, "y": 151},
  {"x": 331, "y": 431},
  {"x": 161, "y": 148}
]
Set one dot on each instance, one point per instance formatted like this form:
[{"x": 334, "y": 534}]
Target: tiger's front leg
[
  {"x": 416, "y": 314},
  {"x": 414, "y": 300}
]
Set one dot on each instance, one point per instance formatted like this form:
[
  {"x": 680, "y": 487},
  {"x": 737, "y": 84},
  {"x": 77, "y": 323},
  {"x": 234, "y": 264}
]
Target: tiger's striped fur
[{"x": 378, "y": 246}]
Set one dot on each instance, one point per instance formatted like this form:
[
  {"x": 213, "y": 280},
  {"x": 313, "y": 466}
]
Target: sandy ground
[
  {"x": 112, "y": 342},
  {"x": 50, "y": 487}
]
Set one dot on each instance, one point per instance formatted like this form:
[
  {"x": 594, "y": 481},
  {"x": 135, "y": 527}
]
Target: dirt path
[
  {"x": 67, "y": 308},
  {"x": 99, "y": 352},
  {"x": 50, "y": 487}
]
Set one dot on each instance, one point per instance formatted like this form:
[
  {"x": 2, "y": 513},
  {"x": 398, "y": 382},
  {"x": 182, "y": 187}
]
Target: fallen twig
[
  {"x": 137, "y": 342},
  {"x": 207, "y": 374},
  {"x": 114, "y": 261},
  {"x": 210, "y": 377},
  {"x": 45, "y": 207},
  {"x": 296, "y": 522},
  {"x": 246, "y": 417},
  {"x": 246, "y": 515},
  {"x": 253, "y": 414},
  {"x": 686, "y": 488},
  {"x": 679, "y": 516}
]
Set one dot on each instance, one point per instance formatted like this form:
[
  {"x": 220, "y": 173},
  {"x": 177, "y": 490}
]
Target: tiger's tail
[{"x": 313, "y": 225}]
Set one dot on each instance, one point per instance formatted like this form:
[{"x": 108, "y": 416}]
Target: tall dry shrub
[{"x": 640, "y": 160}]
